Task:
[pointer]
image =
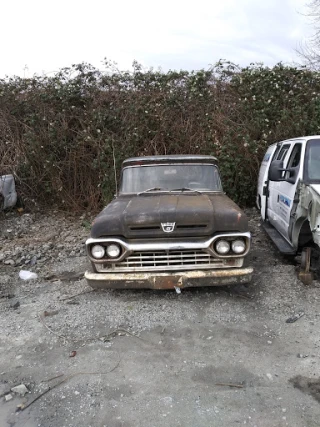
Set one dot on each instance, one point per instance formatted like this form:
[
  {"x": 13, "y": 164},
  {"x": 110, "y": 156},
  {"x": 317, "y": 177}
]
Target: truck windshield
[
  {"x": 200, "y": 177},
  {"x": 312, "y": 161}
]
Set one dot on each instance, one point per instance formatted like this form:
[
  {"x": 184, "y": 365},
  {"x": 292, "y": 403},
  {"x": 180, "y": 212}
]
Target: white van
[{"x": 288, "y": 196}]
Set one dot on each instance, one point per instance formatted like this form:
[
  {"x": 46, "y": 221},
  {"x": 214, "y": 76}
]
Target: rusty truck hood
[{"x": 193, "y": 214}]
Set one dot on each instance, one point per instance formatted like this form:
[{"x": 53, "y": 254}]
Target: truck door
[
  {"x": 261, "y": 200},
  {"x": 287, "y": 189},
  {"x": 282, "y": 153}
]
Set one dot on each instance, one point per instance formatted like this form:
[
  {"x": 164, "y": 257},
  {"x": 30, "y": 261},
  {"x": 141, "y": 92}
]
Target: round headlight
[
  {"x": 97, "y": 251},
  {"x": 223, "y": 247},
  {"x": 113, "y": 250},
  {"x": 238, "y": 246}
]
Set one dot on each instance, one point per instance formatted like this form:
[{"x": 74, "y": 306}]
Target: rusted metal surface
[
  {"x": 305, "y": 275},
  {"x": 169, "y": 159},
  {"x": 195, "y": 214},
  {"x": 181, "y": 280}
]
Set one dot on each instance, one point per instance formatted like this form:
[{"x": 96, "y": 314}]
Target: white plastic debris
[
  {"x": 27, "y": 275},
  {"x": 8, "y": 191},
  {"x": 8, "y": 397},
  {"x": 20, "y": 389},
  {"x": 178, "y": 290}
]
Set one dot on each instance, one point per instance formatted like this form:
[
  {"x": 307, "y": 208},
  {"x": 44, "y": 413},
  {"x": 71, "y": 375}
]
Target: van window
[
  {"x": 294, "y": 160},
  {"x": 275, "y": 154},
  {"x": 282, "y": 153},
  {"x": 312, "y": 162}
]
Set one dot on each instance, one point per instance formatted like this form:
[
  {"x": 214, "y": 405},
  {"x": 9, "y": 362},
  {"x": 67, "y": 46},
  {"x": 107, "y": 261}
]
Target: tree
[{"x": 309, "y": 51}]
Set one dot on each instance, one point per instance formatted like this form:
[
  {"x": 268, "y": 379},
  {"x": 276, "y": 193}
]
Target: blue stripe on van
[{"x": 285, "y": 200}]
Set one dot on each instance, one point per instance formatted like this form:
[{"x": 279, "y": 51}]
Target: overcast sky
[{"x": 41, "y": 36}]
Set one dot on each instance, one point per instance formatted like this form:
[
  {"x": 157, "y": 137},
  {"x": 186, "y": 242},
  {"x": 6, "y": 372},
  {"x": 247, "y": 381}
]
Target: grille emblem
[{"x": 168, "y": 227}]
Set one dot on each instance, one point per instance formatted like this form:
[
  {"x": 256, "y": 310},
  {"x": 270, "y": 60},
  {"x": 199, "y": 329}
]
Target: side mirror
[
  {"x": 275, "y": 171},
  {"x": 293, "y": 174}
]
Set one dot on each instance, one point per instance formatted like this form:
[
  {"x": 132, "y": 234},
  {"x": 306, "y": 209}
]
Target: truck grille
[{"x": 164, "y": 260}]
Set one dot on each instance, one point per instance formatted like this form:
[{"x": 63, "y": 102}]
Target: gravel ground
[{"x": 207, "y": 357}]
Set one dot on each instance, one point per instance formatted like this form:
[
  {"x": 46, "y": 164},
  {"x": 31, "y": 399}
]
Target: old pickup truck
[
  {"x": 288, "y": 198},
  {"x": 169, "y": 226}
]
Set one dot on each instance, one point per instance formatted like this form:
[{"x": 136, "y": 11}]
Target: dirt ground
[{"x": 207, "y": 357}]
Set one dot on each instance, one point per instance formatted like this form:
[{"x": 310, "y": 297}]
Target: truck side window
[
  {"x": 282, "y": 153},
  {"x": 275, "y": 154},
  {"x": 294, "y": 160}
]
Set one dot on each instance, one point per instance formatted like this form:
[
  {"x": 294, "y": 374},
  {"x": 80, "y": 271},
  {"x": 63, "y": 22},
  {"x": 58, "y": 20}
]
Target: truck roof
[
  {"x": 299, "y": 138},
  {"x": 181, "y": 158}
]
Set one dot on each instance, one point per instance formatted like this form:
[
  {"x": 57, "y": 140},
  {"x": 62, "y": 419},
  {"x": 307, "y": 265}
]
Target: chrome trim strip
[
  {"x": 218, "y": 264},
  {"x": 205, "y": 244}
]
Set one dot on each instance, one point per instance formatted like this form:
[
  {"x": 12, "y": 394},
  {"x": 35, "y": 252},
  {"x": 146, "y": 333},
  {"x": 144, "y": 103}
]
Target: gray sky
[{"x": 41, "y": 36}]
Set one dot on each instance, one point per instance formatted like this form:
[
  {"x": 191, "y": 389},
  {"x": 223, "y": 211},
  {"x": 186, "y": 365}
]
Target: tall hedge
[{"x": 60, "y": 135}]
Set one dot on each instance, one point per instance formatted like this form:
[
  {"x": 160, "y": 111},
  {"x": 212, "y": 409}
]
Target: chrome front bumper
[{"x": 182, "y": 279}]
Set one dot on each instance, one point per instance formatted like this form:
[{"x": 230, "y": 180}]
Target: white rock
[
  {"x": 27, "y": 275},
  {"x": 20, "y": 389}
]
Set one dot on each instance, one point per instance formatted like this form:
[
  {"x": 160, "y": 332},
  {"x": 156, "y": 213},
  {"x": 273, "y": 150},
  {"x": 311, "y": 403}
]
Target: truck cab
[{"x": 288, "y": 194}]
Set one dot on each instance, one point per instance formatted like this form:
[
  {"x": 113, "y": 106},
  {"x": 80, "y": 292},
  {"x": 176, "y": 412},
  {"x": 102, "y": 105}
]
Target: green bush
[{"x": 61, "y": 135}]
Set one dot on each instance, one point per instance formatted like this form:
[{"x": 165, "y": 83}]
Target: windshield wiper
[
  {"x": 151, "y": 189},
  {"x": 185, "y": 189}
]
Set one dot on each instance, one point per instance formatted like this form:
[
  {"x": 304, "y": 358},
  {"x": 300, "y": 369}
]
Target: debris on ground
[
  {"x": 8, "y": 397},
  {"x": 73, "y": 302},
  {"x": 41, "y": 317},
  {"x": 295, "y": 317},
  {"x": 7, "y": 191},
  {"x": 27, "y": 275},
  {"x": 50, "y": 313},
  {"x": 14, "y": 304},
  {"x": 65, "y": 276},
  {"x": 20, "y": 389},
  {"x": 230, "y": 385}
]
